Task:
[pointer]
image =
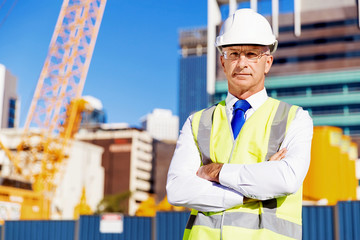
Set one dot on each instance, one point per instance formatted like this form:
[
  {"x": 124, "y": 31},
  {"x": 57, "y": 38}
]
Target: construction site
[{"x": 68, "y": 174}]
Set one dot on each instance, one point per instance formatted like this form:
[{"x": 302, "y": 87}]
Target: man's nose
[{"x": 242, "y": 61}]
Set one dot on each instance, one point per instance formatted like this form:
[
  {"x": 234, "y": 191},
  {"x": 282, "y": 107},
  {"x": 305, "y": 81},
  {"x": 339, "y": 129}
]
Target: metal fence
[
  {"x": 340, "y": 222},
  {"x": 137, "y": 228},
  {"x": 38, "y": 230},
  {"x": 348, "y": 220},
  {"x": 318, "y": 223},
  {"x": 170, "y": 225}
]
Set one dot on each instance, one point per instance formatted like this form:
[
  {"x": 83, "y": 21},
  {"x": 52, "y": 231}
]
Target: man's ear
[
  {"x": 268, "y": 64},
  {"x": 222, "y": 60}
]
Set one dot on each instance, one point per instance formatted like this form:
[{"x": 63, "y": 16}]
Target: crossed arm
[
  {"x": 211, "y": 171},
  {"x": 216, "y": 187}
]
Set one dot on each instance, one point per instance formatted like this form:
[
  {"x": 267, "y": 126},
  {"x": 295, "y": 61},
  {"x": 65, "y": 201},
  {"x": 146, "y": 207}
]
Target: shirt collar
[{"x": 255, "y": 100}]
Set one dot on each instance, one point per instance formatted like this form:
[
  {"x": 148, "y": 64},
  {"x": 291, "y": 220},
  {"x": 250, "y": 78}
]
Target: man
[{"x": 243, "y": 180}]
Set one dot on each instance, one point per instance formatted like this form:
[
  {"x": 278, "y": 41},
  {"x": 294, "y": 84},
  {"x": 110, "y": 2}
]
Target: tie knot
[{"x": 242, "y": 105}]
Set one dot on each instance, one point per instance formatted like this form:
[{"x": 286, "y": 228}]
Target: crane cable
[
  {"x": 9, "y": 11},
  {"x": 2, "y": 4}
]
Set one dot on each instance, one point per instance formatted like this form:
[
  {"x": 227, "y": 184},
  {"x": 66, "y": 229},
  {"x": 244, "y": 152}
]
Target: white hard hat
[{"x": 247, "y": 27}]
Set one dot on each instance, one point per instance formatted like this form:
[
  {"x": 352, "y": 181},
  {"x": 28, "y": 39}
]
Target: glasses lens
[
  {"x": 251, "y": 55},
  {"x": 232, "y": 55}
]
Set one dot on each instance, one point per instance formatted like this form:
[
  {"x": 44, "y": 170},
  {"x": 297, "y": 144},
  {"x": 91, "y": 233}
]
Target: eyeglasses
[{"x": 250, "y": 55}]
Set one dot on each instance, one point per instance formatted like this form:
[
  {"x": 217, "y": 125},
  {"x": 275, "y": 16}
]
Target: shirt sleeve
[
  {"x": 185, "y": 188},
  {"x": 272, "y": 179}
]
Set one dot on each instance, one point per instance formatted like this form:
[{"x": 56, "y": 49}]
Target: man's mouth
[{"x": 241, "y": 74}]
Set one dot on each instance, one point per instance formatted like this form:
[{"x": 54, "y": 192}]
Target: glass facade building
[{"x": 193, "y": 94}]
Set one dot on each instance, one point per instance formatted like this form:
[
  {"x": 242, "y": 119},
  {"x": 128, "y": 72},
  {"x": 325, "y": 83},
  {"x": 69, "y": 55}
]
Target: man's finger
[{"x": 279, "y": 155}]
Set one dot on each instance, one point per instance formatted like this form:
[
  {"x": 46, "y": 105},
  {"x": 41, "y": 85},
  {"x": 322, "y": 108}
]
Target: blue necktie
[{"x": 240, "y": 107}]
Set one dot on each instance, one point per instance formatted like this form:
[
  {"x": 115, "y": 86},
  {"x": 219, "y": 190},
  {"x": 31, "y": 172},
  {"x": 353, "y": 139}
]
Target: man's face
[{"x": 245, "y": 76}]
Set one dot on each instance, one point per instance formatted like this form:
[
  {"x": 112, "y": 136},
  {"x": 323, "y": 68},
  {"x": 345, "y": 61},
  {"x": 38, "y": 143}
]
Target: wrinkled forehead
[{"x": 245, "y": 47}]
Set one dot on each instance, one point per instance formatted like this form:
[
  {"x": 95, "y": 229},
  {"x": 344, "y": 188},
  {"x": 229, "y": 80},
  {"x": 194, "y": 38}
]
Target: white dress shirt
[{"x": 260, "y": 181}]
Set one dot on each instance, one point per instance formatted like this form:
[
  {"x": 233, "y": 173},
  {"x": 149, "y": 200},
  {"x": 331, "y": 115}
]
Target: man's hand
[
  {"x": 210, "y": 171},
  {"x": 279, "y": 155}
]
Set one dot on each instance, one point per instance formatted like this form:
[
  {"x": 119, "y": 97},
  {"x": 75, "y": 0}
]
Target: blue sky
[{"x": 128, "y": 86}]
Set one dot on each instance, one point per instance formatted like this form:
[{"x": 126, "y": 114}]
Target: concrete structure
[
  {"x": 161, "y": 124},
  {"x": 163, "y": 152},
  {"x": 82, "y": 169},
  {"x": 9, "y": 103},
  {"x": 127, "y": 160}
]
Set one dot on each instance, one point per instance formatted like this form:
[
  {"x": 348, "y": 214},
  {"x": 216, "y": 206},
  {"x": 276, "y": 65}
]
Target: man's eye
[
  {"x": 234, "y": 54},
  {"x": 251, "y": 54}
]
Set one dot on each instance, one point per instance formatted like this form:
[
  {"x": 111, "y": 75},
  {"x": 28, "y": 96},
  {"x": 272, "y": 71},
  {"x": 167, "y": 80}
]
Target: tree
[{"x": 114, "y": 203}]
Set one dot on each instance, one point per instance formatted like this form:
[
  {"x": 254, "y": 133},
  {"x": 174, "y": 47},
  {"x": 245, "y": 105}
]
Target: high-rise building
[
  {"x": 9, "y": 103},
  {"x": 161, "y": 124},
  {"x": 316, "y": 66},
  {"x": 192, "y": 83}
]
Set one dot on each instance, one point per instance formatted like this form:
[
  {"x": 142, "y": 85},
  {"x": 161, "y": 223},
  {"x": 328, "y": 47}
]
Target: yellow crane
[{"x": 54, "y": 113}]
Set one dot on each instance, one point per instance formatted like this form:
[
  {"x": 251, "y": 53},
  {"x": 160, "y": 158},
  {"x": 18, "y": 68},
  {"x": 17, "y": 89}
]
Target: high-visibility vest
[{"x": 259, "y": 138}]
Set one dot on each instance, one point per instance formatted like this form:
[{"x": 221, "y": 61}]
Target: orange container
[
  {"x": 332, "y": 172},
  {"x": 322, "y": 180}
]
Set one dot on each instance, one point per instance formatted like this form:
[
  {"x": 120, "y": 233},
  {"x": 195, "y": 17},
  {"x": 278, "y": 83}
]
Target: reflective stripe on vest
[
  {"x": 268, "y": 218},
  {"x": 204, "y": 134},
  {"x": 249, "y": 221}
]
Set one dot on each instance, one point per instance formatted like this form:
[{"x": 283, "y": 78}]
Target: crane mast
[{"x": 50, "y": 121}]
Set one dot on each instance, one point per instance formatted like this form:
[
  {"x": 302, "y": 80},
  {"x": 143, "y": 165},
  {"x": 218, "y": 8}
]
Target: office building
[
  {"x": 127, "y": 160},
  {"x": 161, "y": 124},
  {"x": 192, "y": 83},
  {"x": 9, "y": 103}
]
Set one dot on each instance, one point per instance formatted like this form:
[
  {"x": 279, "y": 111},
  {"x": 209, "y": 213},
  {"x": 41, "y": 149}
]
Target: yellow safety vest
[{"x": 259, "y": 138}]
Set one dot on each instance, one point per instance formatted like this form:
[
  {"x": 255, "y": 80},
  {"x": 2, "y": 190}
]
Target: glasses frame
[{"x": 256, "y": 59}]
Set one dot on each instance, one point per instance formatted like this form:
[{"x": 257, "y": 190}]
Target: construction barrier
[
  {"x": 318, "y": 222},
  {"x": 134, "y": 228},
  {"x": 339, "y": 222},
  {"x": 39, "y": 230},
  {"x": 348, "y": 220},
  {"x": 170, "y": 225}
]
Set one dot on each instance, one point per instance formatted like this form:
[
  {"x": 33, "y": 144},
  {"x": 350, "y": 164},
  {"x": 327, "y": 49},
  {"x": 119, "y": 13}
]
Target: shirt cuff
[{"x": 227, "y": 178}]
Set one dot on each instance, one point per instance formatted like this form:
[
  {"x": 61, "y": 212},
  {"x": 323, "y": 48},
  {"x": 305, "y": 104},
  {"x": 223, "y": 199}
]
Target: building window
[
  {"x": 327, "y": 110},
  {"x": 354, "y": 108},
  {"x": 290, "y": 92},
  {"x": 12, "y": 112},
  {"x": 354, "y": 87},
  {"x": 327, "y": 89}
]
